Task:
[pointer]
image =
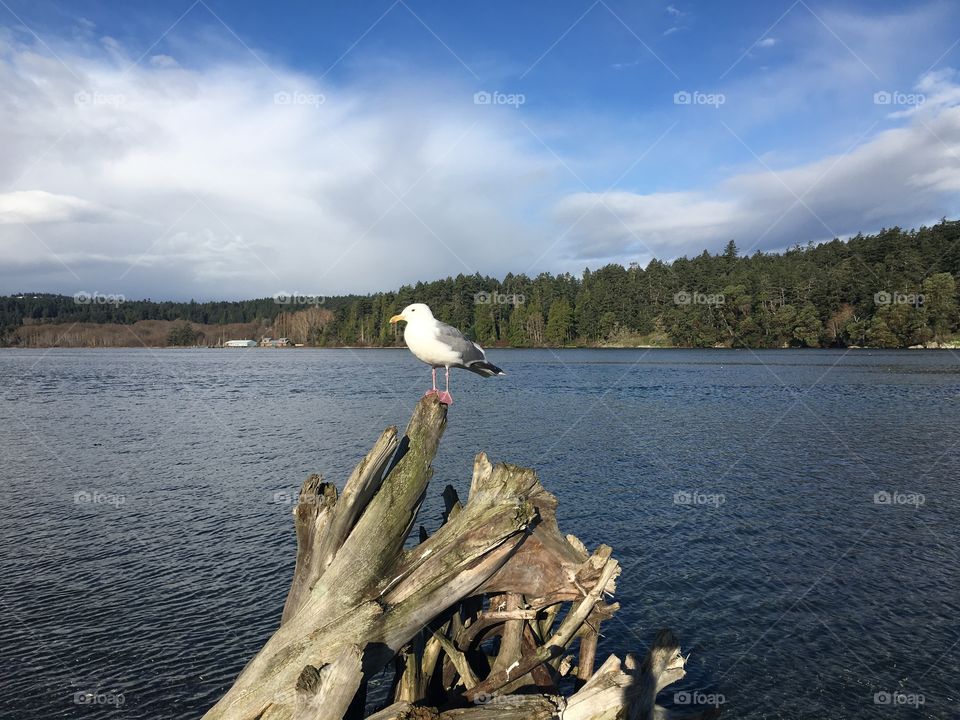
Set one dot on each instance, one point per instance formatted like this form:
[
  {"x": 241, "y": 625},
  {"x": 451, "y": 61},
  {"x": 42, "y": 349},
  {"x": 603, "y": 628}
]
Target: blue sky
[{"x": 213, "y": 149}]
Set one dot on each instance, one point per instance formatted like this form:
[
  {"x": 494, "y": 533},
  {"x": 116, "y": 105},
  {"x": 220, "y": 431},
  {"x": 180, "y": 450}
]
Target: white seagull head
[{"x": 413, "y": 313}]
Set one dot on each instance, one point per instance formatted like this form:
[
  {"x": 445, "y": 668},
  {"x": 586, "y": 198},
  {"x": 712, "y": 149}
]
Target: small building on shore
[{"x": 240, "y": 343}]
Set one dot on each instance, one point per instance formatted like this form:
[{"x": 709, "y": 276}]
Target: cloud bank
[
  {"x": 231, "y": 175},
  {"x": 238, "y": 178},
  {"x": 895, "y": 176}
]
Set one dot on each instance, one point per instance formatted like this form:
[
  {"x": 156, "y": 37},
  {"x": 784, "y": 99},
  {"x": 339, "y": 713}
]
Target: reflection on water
[{"x": 147, "y": 542}]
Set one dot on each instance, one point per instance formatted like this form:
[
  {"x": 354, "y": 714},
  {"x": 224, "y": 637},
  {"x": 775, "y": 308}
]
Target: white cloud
[
  {"x": 908, "y": 172},
  {"x": 163, "y": 61},
  {"x": 935, "y": 90},
  {"x": 174, "y": 178},
  {"x": 767, "y": 42},
  {"x": 36, "y": 206},
  {"x": 676, "y": 16},
  {"x": 178, "y": 176}
]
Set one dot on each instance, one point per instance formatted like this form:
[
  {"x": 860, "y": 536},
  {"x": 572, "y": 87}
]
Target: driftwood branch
[{"x": 468, "y": 617}]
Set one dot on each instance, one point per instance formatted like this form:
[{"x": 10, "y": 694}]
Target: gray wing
[{"x": 469, "y": 351}]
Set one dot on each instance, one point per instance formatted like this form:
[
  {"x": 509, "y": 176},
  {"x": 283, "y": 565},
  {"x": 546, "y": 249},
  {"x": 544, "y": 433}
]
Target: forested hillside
[{"x": 894, "y": 289}]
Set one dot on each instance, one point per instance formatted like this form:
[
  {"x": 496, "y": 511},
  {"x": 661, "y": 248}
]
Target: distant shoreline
[{"x": 488, "y": 348}]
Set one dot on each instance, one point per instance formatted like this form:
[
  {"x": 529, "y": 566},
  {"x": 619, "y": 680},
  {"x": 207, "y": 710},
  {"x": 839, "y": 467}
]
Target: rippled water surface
[{"x": 147, "y": 542}]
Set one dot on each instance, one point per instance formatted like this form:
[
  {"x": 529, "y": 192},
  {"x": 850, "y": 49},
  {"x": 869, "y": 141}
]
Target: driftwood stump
[{"x": 479, "y": 619}]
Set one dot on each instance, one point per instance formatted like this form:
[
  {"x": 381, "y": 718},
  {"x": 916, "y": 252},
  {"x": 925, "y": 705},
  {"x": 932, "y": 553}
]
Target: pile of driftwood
[{"x": 479, "y": 620}]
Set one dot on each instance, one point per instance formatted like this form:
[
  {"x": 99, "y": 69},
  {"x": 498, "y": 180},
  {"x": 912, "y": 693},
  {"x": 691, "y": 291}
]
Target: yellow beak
[{"x": 396, "y": 319}]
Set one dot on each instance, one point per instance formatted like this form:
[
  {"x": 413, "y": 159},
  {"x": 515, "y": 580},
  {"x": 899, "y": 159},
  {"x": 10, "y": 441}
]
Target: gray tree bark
[{"x": 493, "y": 579}]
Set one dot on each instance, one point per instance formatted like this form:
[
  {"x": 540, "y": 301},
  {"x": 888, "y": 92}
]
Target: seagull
[{"x": 440, "y": 345}]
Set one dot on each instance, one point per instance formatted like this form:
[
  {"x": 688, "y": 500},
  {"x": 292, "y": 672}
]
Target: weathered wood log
[
  {"x": 467, "y": 616},
  {"x": 323, "y": 526}
]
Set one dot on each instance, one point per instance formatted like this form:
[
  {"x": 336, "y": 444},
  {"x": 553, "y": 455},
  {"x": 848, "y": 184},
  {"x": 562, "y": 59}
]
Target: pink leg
[
  {"x": 434, "y": 391},
  {"x": 445, "y": 397}
]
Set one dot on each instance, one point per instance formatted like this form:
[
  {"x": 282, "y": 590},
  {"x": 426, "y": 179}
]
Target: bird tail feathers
[{"x": 485, "y": 369}]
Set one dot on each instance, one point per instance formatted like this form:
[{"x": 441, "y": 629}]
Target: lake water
[{"x": 147, "y": 542}]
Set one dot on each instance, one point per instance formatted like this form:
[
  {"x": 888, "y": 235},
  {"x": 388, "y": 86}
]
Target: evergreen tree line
[{"x": 894, "y": 289}]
